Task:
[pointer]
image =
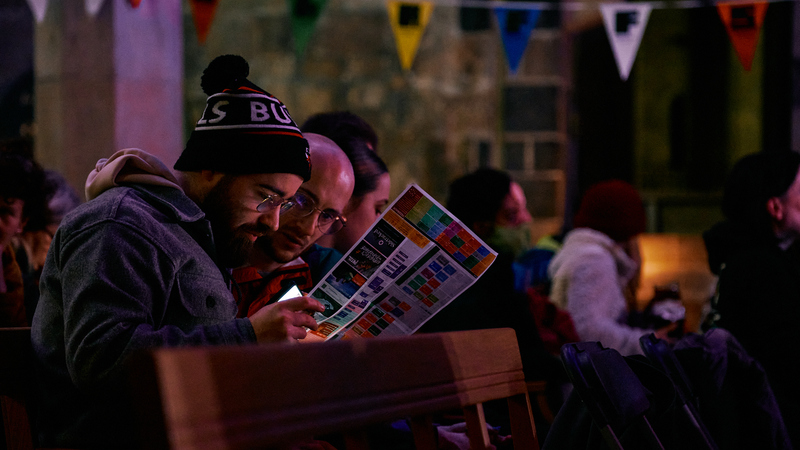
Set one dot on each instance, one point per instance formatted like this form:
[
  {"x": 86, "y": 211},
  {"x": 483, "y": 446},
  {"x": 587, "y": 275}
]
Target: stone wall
[{"x": 436, "y": 121}]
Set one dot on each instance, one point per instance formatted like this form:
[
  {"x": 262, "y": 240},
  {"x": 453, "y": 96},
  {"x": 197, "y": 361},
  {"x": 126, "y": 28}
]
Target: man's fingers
[
  {"x": 304, "y": 320},
  {"x": 296, "y": 333},
  {"x": 303, "y": 304}
]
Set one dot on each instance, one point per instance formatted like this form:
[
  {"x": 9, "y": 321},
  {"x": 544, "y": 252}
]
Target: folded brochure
[{"x": 410, "y": 264}]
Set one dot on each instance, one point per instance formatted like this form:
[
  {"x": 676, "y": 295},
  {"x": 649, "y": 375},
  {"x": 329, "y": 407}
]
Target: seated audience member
[
  {"x": 370, "y": 194},
  {"x": 315, "y": 210},
  {"x": 22, "y": 207},
  {"x": 32, "y": 244},
  {"x": 511, "y": 231},
  {"x": 342, "y": 125},
  {"x": 595, "y": 274},
  {"x": 530, "y": 268},
  {"x": 495, "y": 208},
  {"x": 492, "y": 301},
  {"x": 755, "y": 253},
  {"x": 145, "y": 261}
]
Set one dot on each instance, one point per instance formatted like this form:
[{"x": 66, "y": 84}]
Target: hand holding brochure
[{"x": 413, "y": 261}]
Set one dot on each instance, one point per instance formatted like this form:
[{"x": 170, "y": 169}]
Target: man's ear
[
  {"x": 201, "y": 182},
  {"x": 211, "y": 176},
  {"x": 775, "y": 208}
]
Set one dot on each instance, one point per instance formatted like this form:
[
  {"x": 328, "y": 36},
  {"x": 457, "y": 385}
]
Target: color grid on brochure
[{"x": 438, "y": 226}]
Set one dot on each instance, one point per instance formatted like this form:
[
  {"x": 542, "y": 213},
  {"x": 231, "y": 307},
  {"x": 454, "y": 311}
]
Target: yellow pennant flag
[{"x": 408, "y": 21}]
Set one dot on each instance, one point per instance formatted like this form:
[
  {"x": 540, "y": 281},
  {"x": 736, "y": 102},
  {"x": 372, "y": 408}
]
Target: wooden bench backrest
[{"x": 258, "y": 396}]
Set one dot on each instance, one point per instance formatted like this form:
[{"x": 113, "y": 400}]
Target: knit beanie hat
[
  {"x": 244, "y": 129},
  {"x": 613, "y": 207},
  {"x": 755, "y": 179}
]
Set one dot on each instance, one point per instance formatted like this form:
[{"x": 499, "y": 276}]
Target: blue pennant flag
[{"x": 515, "y": 28}]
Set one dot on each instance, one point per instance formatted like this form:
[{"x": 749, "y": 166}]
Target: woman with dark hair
[
  {"x": 370, "y": 196},
  {"x": 372, "y": 186}
]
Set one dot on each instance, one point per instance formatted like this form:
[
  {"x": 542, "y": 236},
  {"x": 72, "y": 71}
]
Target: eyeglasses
[
  {"x": 301, "y": 205},
  {"x": 272, "y": 202}
]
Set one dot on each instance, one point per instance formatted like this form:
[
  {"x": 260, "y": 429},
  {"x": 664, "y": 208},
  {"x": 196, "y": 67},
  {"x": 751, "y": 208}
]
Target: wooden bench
[{"x": 263, "y": 396}]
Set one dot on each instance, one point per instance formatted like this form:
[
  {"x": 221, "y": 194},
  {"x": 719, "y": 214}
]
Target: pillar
[{"x": 107, "y": 82}]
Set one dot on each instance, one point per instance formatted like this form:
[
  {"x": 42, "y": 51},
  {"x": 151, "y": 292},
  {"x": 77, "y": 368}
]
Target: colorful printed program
[{"x": 413, "y": 261}]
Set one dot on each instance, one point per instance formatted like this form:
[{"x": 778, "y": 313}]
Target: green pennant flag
[{"x": 304, "y": 15}]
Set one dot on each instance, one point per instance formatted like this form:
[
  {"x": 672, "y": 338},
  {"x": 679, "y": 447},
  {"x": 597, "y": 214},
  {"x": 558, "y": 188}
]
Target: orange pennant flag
[
  {"x": 203, "y": 14},
  {"x": 743, "y": 22}
]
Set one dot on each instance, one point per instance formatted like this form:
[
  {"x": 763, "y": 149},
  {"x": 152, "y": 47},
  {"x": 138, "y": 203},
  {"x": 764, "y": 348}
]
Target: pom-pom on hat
[
  {"x": 244, "y": 129},
  {"x": 613, "y": 207}
]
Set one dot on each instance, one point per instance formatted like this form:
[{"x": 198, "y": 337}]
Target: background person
[
  {"x": 755, "y": 253},
  {"x": 22, "y": 207},
  {"x": 371, "y": 191},
  {"x": 492, "y": 301},
  {"x": 595, "y": 273},
  {"x": 31, "y": 245}
]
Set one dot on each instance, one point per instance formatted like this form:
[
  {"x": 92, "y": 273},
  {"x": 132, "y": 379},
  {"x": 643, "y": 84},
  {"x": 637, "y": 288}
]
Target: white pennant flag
[
  {"x": 93, "y": 6},
  {"x": 625, "y": 23},
  {"x": 39, "y": 8}
]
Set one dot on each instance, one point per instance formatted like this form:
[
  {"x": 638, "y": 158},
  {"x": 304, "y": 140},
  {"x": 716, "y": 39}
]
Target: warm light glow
[{"x": 678, "y": 258}]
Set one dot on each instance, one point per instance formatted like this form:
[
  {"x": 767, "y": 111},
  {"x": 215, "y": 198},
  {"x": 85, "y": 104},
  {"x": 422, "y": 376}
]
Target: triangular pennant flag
[
  {"x": 743, "y": 22},
  {"x": 515, "y": 29},
  {"x": 38, "y": 8},
  {"x": 135, "y": 3},
  {"x": 304, "y": 14},
  {"x": 93, "y": 6},
  {"x": 202, "y": 14},
  {"x": 408, "y": 23},
  {"x": 625, "y": 24}
]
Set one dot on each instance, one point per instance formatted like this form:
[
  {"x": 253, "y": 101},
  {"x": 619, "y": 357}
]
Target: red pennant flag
[
  {"x": 135, "y": 3},
  {"x": 743, "y": 22},
  {"x": 203, "y": 14}
]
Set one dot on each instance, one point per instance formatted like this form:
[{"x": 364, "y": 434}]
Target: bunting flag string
[
  {"x": 408, "y": 21},
  {"x": 578, "y": 5},
  {"x": 624, "y": 22}
]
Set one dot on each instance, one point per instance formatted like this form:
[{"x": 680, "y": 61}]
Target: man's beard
[
  {"x": 233, "y": 243},
  {"x": 267, "y": 246}
]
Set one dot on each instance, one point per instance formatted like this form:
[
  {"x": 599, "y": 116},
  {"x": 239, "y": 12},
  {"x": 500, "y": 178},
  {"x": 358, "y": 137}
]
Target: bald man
[{"x": 316, "y": 210}]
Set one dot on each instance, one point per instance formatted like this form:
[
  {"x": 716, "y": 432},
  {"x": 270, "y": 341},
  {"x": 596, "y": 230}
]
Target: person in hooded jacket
[
  {"x": 145, "y": 262},
  {"x": 755, "y": 253},
  {"x": 595, "y": 274}
]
